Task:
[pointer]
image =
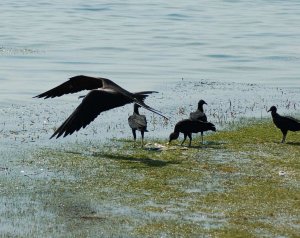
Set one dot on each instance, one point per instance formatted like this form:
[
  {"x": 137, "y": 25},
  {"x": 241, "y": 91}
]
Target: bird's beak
[{"x": 269, "y": 110}]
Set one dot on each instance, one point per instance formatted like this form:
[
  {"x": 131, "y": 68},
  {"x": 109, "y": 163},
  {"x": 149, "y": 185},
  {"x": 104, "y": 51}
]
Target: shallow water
[
  {"x": 140, "y": 44},
  {"x": 30, "y": 125},
  {"x": 187, "y": 51}
]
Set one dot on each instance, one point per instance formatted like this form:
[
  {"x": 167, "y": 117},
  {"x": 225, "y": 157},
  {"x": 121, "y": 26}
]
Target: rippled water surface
[{"x": 140, "y": 44}]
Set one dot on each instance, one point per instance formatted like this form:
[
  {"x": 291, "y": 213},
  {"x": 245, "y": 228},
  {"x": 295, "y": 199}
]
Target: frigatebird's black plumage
[
  {"x": 137, "y": 122},
  {"x": 284, "y": 123},
  {"x": 104, "y": 95},
  {"x": 188, "y": 126}
]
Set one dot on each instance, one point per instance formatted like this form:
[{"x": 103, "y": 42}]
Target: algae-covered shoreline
[{"x": 241, "y": 183}]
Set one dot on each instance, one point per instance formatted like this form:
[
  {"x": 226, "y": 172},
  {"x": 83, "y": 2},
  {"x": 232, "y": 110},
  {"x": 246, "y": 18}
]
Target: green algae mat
[{"x": 239, "y": 183}]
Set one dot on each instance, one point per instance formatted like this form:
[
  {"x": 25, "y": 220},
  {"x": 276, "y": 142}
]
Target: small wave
[
  {"x": 222, "y": 56},
  {"x": 282, "y": 58},
  {"x": 177, "y": 16},
  {"x": 218, "y": 56},
  {"x": 92, "y": 8},
  {"x": 105, "y": 48},
  {"x": 17, "y": 51}
]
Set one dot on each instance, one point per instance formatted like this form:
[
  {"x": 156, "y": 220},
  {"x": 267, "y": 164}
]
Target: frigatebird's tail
[
  {"x": 142, "y": 95},
  {"x": 139, "y": 99}
]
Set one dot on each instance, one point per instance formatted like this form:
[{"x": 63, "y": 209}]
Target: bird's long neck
[
  {"x": 175, "y": 135},
  {"x": 176, "y": 130},
  {"x": 200, "y": 107},
  {"x": 136, "y": 110},
  {"x": 274, "y": 114}
]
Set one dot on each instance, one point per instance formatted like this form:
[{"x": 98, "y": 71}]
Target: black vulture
[
  {"x": 199, "y": 114},
  {"x": 137, "y": 122},
  {"x": 188, "y": 126},
  {"x": 104, "y": 95},
  {"x": 284, "y": 123}
]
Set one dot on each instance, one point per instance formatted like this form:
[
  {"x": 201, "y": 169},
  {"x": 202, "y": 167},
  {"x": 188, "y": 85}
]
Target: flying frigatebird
[{"x": 104, "y": 95}]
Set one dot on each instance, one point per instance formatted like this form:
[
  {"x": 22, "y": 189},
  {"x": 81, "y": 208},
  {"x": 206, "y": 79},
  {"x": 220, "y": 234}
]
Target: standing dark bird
[
  {"x": 284, "y": 123},
  {"x": 188, "y": 126},
  {"x": 137, "y": 122},
  {"x": 199, "y": 114},
  {"x": 104, "y": 95}
]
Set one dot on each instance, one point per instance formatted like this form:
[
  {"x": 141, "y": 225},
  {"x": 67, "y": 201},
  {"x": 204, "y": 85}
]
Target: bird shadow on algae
[
  {"x": 217, "y": 145},
  {"x": 147, "y": 159},
  {"x": 293, "y": 143},
  {"x": 150, "y": 162}
]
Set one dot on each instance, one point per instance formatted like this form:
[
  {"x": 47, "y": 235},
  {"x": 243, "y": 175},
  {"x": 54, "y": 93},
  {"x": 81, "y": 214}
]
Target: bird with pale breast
[{"x": 137, "y": 122}]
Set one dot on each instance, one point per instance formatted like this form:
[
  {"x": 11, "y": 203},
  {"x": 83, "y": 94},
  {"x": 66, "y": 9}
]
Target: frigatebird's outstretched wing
[
  {"x": 104, "y": 96},
  {"x": 92, "y": 105},
  {"x": 73, "y": 85}
]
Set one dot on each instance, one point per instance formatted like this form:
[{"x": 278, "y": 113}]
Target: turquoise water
[{"x": 141, "y": 44}]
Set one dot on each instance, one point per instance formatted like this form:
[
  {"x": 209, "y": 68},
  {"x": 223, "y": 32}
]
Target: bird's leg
[
  {"x": 134, "y": 135},
  {"x": 284, "y": 136},
  {"x": 184, "y": 138},
  {"x": 202, "y": 136},
  {"x": 190, "y": 137},
  {"x": 142, "y": 133}
]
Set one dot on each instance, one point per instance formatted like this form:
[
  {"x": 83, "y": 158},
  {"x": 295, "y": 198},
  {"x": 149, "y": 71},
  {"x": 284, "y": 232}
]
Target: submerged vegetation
[{"x": 240, "y": 183}]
